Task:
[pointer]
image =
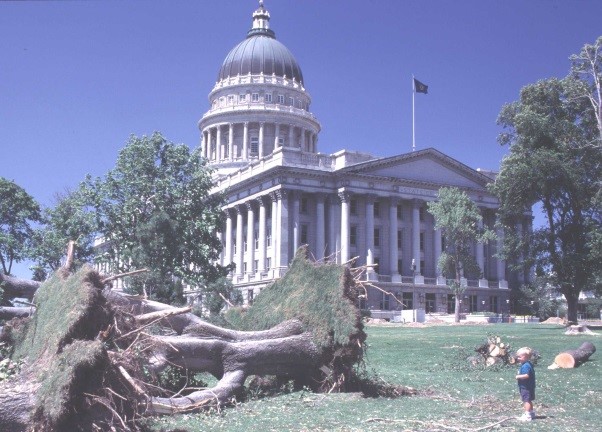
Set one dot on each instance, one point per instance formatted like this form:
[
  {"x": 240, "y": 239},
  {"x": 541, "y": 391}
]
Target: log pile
[
  {"x": 572, "y": 358},
  {"x": 493, "y": 351}
]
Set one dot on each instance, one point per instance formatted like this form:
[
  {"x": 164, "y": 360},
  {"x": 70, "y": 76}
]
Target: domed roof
[{"x": 260, "y": 53}]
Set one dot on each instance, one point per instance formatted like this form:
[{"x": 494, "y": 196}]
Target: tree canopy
[
  {"x": 18, "y": 214},
  {"x": 554, "y": 161},
  {"x": 154, "y": 210},
  {"x": 460, "y": 222}
]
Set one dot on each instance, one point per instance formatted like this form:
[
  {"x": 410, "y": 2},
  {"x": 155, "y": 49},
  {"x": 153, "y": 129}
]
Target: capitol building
[{"x": 261, "y": 138}]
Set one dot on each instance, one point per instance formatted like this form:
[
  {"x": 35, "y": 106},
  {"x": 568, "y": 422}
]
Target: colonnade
[
  {"x": 279, "y": 227},
  {"x": 243, "y": 137}
]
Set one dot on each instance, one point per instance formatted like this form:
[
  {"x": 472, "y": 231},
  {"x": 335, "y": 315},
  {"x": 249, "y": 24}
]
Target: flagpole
[{"x": 413, "y": 121}]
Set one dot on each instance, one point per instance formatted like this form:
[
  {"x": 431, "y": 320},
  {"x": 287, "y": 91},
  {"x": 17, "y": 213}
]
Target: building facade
[{"x": 350, "y": 207}]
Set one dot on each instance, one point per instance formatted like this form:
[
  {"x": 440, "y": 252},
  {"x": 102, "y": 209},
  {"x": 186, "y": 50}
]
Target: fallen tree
[
  {"x": 572, "y": 358},
  {"x": 91, "y": 356}
]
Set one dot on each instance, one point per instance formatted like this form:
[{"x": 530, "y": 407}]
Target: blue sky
[{"x": 77, "y": 78}]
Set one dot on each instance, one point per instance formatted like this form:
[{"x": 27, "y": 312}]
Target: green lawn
[{"x": 452, "y": 395}]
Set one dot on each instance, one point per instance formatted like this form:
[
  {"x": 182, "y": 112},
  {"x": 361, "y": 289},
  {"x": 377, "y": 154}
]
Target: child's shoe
[{"x": 525, "y": 417}]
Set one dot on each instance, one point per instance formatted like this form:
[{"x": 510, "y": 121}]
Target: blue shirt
[{"x": 527, "y": 369}]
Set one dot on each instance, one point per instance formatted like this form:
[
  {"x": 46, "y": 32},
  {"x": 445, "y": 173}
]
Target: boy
[{"x": 526, "y": 382}]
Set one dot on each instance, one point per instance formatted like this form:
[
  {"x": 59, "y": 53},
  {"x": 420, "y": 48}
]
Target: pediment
[{"x": 428, "y": 166}]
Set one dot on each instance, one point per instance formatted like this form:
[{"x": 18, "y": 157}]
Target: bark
[
  {"x": 573, "y": 358},
  {"x": 16, "y": 405},
  {"x": 15, "y": 287}
]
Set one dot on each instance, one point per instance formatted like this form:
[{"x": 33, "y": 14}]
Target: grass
[{"x": 452, "y": 395}]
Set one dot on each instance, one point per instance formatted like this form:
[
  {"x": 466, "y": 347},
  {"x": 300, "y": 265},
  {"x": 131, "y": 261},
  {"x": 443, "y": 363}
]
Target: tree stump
[{"x": 573, "y": 358}]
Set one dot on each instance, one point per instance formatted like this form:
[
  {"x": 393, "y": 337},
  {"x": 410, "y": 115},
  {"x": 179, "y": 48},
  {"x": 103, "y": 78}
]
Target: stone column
[
  {"x": 240, "y": 247},
  {"x": 480, "y": 251},
  {"x": 275, "y": 240},
  {"x": 438, "y": 250},
  {"x": 344, "y": 197},
  {"x": 261, "y": 149},
  {"x": 283, "y": 254},
  {"x": 231, "y": 142},
  {"x": 261, "y": 234},
  {"x": 416, "y": 235},
  {"x": 291, "y": 135},
  {"x": 393, "y": 249},
  {"x": 276, "y": 135},
  {"x": 332, "y": 231},
  {"x": 219, "y": 149},
  {"x": 303, "y": 144},
  {"x": 229, "y": 255},
  {"x": 203, "y": 144},
  {"x": 370, "y": 222},
  {"x": 250, "y": 238},
  {"x": 296, "y": 225},
  {"x": 245, "y": 141},
  {"x": 320, "y": 232}
]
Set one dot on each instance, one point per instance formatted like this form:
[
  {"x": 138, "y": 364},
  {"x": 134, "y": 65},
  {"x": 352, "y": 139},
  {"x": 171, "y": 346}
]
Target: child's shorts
[{"x": 526, "y": 395}]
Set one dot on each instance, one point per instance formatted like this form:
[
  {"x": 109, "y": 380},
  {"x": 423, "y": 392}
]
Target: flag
[{"x": 420, "y": 87}]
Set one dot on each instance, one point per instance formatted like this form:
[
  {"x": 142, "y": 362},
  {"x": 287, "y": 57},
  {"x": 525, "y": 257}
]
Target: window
[
  {"x": 280, "y": 141},
  {"x": 222, "y": 101},
  {"x": 245, "y": 243},
  {"x": 304, "y": 234},
  {"x": 399, "y": 266},
  {"x": 268, "y": 98},
  {"x": 353, "y": 207},
  {"x": 242, "y": 97},
  {"x": 352, "y": 235},
  {"x": 493, "y": 304},
  {"x": 408, "y": 300},
  {"x": 399, "y": 239},
  {"x": 376, "y": 209},
  {"x": 303, "y": 204},
  {"x": 268, "y": 263},
  {"x": 399, "y": 212},
  {"x": 291, "y": 101},
  {"x": 255, "y": 266},
  {"x": 377, "y": 264},
  {"x": 244, "y": 266},
  {"x": 430, "y": 303},
  {"x": 421, "y": 212},
  {"x": 362, "y": 302},
  {"x": 231, "y": 100},
  {"x": 384, "y": 302},
  {"x": 254, "y": 145},
  {"x": 281, "y": 99},
  {"x": 451, "y": 303},
  {"x": 443, "y": 243},
  {"x": 377, "y": 237},
  {"x": 256, "y": 240},
  {"x": 472, "y": 303},
  {"x": 422, "y": 267},
  {"x": 255, "y": 97},
  {"x": 268, "y": 236},
  {"x": 421, "y": 242}
]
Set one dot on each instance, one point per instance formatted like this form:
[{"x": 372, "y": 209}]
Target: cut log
[
  {"x": 7, "y": 312},
  {"x": 573, "y": 358},
  {"x": 15, "y": 287}
]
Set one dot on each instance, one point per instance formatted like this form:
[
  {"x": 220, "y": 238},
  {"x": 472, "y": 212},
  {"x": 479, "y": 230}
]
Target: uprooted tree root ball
[{"x": 96, "y": 359}]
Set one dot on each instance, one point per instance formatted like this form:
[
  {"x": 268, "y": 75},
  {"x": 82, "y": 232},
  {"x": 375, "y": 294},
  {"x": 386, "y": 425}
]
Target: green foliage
[
  {"x": 460, "y": 222},
  {"x": 541, "y": 296},
  {"x": 154, "y": 211},
  {"x": 69, "y": 219},
  {"x": 18, "y": 212},
  {"x": 552, "y": 162},
  {"x": 319, "y": 295},
  {"x": 8, "y": 367}
]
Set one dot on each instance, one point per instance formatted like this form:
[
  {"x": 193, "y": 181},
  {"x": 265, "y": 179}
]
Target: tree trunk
[
  {"x": 16, "y": 405},
  {"x": 7, "y": 312},
  {"x": 572, "y": 302},
  {"x": 573, "y": 358},
  {"x": 15, "y": 287}
]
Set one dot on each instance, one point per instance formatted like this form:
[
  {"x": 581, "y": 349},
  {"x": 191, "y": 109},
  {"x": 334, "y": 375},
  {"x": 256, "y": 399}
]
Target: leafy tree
[
  {"x": 459, "y": 219},
  {"x": 154, "y": 211},
  {"x": 68, "y": 220},
  {"x": 555, "y": 161},
  {"x": 18, "y": 212}
]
